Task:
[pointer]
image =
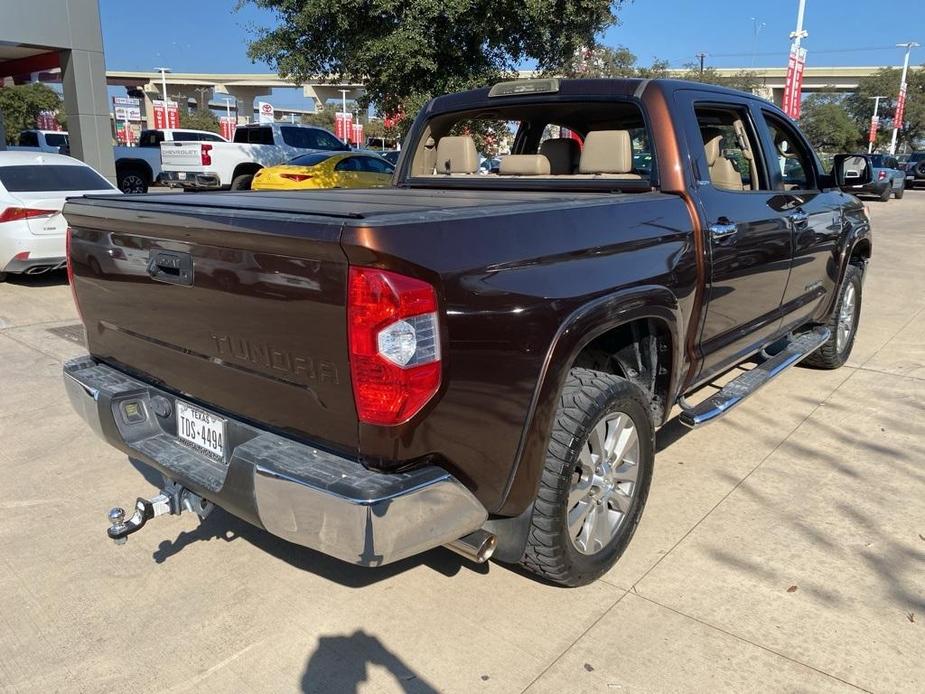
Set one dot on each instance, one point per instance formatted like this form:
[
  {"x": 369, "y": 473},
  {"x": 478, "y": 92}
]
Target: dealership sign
[
  {"x": 343, "y": 126},
  {"x": 264, "y": 112},
  {"x": 794, "y": 85},
  {"x": 125, "y": 108},
  {"x": 228, "y": 124},
  {"x": 166, "y": 115}
]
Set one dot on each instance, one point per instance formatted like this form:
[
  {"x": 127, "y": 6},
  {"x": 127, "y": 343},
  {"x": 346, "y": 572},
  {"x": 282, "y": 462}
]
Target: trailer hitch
[{"x": 173, "y": 499}]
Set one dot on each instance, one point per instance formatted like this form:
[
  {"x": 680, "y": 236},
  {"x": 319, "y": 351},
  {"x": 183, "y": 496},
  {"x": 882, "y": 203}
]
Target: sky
[{"x": 212, "y": 35}]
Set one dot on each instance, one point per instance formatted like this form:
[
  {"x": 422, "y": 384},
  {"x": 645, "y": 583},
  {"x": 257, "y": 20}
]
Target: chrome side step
[{"x": 734, "y": 392}]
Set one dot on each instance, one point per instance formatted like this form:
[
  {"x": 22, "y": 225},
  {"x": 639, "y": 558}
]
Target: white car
[{"x": 33, "y": 188}]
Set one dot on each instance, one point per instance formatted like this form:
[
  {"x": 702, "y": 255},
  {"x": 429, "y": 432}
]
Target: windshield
[{"x": 562, "y": 143}]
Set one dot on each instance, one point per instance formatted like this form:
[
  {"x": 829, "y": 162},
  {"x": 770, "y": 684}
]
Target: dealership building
[{"x": 41, "y": 35}]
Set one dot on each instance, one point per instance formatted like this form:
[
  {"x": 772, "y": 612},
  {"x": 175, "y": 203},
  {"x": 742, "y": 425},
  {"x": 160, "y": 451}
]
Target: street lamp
[
  {"x": 901, "y": 102},
  {"x": 874, "y": 122},
  {"x": 164, "y": 71},
  {"x": 343, "y": 97}
]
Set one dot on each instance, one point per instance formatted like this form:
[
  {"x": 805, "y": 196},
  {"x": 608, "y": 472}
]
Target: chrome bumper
[
  {"x": 192, "y": 180},
  {"x": 302, "y": 494}
]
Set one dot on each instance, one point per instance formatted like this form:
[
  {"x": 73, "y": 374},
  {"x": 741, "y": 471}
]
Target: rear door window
[
  {"x": 731, "y": 148},
  {"x": 373, "y": 165},
  {"x": 28, "y": 139},
  {"x": 185, "y": 136},
  {"x": 51, "y": 178},
  {"x": 151, "y": 138},
  {"x": 310, "y": 138}
]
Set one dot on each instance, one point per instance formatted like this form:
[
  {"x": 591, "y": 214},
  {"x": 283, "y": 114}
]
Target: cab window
[
  {"x": 730, "y": 147},
  {"x": 793, "y": 158}
]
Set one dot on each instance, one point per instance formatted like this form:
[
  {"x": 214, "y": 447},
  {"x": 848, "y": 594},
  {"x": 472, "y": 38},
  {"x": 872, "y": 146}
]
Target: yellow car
[{"x": 326, "y": 170}]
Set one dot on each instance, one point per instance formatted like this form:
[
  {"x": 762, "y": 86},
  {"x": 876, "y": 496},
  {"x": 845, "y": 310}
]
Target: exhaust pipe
[{"x": 477, "y": 546}]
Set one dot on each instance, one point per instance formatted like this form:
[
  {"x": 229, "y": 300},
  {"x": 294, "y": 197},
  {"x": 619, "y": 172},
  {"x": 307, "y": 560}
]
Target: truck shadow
[
  {"x": 221, "y": 525},
  {"x": 340, "y": 664}
]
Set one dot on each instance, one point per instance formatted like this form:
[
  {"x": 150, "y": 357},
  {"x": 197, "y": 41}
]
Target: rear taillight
[
  {"x": 205, "y": 155},
  {"x": 881, "y": 176},
  {"x": 15, "y": 214},
  {"x": 296, "y": 177},
  {"x": 70, "y": 269},
  {"x": 394, "y": 338}
]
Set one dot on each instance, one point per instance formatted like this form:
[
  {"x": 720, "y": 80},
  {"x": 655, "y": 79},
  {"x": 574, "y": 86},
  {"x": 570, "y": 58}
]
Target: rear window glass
[
  {"x": 38, "y": 178},
  {"x": 56, "y": 139},
  {"x": 309, "y": 159},
  {"x": 568, "y": 143},
  {"x": 310, "y": 138},
  {"x": 254, "y": 136}
]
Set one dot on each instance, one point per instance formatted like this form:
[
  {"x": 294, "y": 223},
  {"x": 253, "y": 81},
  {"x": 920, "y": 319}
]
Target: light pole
[
  {"x": 164, "y": 71},
  {"x": 757, "y": 26},
  {"x": 228, "y": 101},
  {"x": 901, "y": 102},
  {"x": 874, "y": 122},
  {"x": 343, "y": 98}
]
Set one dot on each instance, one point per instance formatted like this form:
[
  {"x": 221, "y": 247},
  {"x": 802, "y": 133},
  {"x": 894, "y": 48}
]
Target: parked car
[
  {"x": 392, "y": 156},
  {"x": 137, "y": 168},
  {"x": 473, "y": 360},
  {"x": 326, "y": 170},
  {"x": 54, "y": 141},
  {"x": 232, "y": 165},
  {"x": 914, "y": 169},
  {"x": 886, "y": 177},
  {"x": 33, "y": 187}
]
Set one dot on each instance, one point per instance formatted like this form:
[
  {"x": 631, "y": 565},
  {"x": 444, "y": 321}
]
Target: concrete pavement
[{"x": 782, "y": 549}]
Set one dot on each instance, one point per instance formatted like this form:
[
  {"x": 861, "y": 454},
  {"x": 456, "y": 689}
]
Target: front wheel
[
  {"x": 242, "y": 182},
  {"x": 843, "y": 324},
  {"x": 595, "y": 480},
  {"x": 132, "y": 181}
]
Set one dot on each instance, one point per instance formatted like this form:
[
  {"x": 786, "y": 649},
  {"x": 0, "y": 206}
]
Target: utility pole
[
  {"x": 874, "y": 122},
  {"x": 203, "y": 102},
  {"x": 701, "y": 56},
  {"x": 901, "y": 102}
]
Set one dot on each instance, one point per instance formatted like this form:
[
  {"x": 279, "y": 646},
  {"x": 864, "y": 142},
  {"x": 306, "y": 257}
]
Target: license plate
[
  {"x": 182, "y": 175},
  {"x": 203, "y": 431}
]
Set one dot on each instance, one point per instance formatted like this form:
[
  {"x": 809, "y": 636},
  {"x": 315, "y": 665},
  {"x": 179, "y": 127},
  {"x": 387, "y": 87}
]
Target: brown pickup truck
[{"x": 475, "y": 357}]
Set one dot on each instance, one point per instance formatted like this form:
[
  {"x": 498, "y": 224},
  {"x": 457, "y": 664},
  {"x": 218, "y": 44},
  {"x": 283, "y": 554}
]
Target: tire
[
  {"x": 132, "y": 180},
  {"x": 885, "y": 195},
  {"x": 898, "y": 194},
  {"x": 592, "y": 406},
  {"x": 3, "y": 276},
  {"x": 920, "y": 170},
  {"x": 242, "y": 182},
  {"x": 836, "y": 350}
]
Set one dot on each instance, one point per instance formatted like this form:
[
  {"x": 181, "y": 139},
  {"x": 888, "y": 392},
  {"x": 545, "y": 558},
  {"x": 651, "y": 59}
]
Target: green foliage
[
  {"x": 407, "y": 52},
  {"x": 20, "y": 105},
  {"x": 743, "y": 80},
  {"x": 604, "y": 62},
  {"x": 199, "y": 119},
  {"x": 323, "y": 118},
  {"x": 885, "y": 82},
  {"x": 828, "y": 126}
]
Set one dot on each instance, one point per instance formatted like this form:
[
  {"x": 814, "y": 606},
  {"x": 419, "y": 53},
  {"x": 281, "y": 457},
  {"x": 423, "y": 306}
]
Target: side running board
[{"x": 798, "y": 348}]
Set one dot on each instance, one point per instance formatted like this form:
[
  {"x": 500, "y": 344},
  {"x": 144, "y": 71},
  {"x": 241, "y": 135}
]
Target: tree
[
  {"x": 827, "y": 125},
  {"x": 743, "y": 80},
  {"x": 21, "y": 105},
  {"x": 885, "y": 82},
  {"x": 604, "y": 61},
  {"x": 199, "y": 119},
  {"x": 407, "y": 52}
]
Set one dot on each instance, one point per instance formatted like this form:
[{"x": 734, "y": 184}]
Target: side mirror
[{"x": 852, "y": 170}]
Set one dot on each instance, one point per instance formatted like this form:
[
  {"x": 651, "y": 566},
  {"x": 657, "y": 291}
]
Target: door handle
[{"x": 723, "y": 228}]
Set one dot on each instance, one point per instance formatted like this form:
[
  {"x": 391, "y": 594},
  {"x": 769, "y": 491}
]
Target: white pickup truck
[{"x": 218, "y": 165}]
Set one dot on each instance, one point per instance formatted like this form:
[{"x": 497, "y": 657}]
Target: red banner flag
[
  {"x": 794, "y": 85},
  {"x": 173, "y": 114},
  {"x": 343, "y": 125},
  {"x": 874, "y": 125},
  {"x": 160, "y": 114},
  {"x": 900, "y": 107},
  {"x": 228, "y": 124}
]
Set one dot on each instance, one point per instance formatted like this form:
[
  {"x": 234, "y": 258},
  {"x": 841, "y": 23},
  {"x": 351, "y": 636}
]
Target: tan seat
[
  {"x": 722, "y": 173},
  {"x": 456, "y": 154},
  {"x": 524, "y": 165},
  {"x": 607, "y": 154},
  {"x": 563, "y": 154}
]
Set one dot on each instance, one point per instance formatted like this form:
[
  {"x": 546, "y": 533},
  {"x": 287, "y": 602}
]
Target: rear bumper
[
  {"x": 206, "y": 180},
  {"x": 302, "y": 494},
  {"x": 46, "y": 251}
]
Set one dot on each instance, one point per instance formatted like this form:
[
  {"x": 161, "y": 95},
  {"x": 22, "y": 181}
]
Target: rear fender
[{"x": 576, "y": 332}]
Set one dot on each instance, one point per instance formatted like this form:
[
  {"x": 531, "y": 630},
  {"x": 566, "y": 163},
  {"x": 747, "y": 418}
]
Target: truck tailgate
[
  {"x": 243, "y": 315},
  {"x": 181, "y": 155}
]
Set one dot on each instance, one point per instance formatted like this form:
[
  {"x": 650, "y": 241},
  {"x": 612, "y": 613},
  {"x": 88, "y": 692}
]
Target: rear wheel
[
  {"x": 132, "y": 180},
  {"x": 843, "y": 324},
  {"x": 2, "y": 277},
  {"x": 885, "y": 195},
  {"x": 242, "y": 182},
  {"x": 595, "y": 480},
  {"x": 898, "y": 194}
]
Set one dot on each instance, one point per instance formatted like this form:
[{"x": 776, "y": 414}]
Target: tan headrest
[
  {"x": 712, "y": 138},
  {"x": 457, "y": 154},
  {"x": 524, "y": 165},
  {"x": 562, "y": 153},
  {"x": 606, "y": 152}
]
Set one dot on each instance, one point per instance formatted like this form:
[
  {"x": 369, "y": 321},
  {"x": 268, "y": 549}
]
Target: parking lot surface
[{"x": 783, "y": 549}]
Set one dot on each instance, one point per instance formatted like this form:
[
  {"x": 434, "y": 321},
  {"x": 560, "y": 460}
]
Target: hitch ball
[{"x": 116, "y": 518}]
